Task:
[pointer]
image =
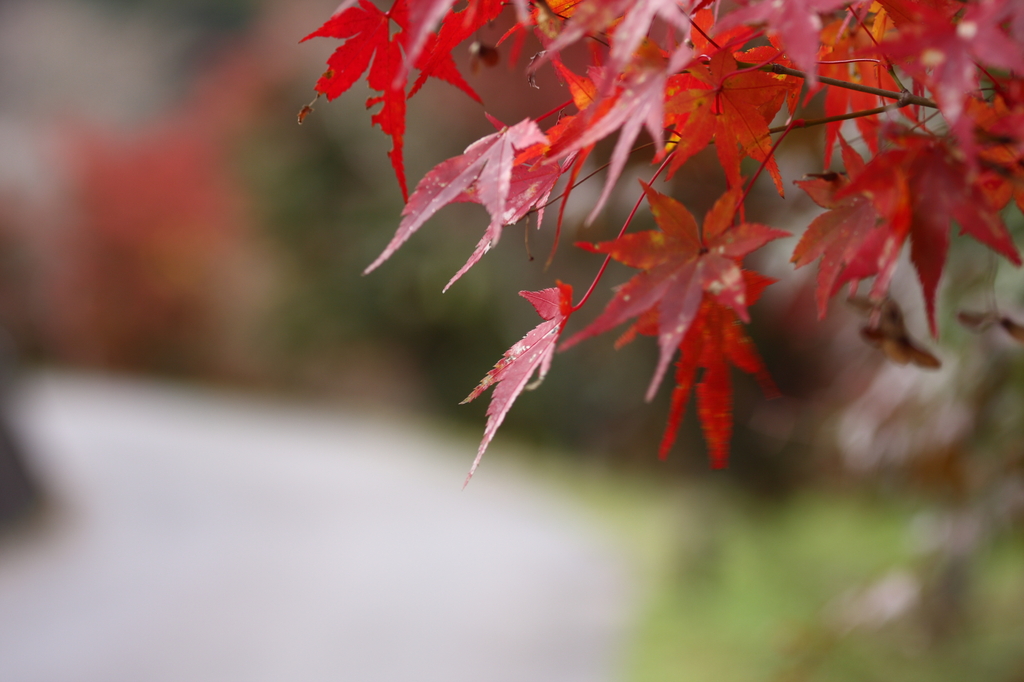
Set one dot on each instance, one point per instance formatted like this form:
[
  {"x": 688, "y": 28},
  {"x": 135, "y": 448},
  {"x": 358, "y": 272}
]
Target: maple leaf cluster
[{"x": 924, "y": 99}]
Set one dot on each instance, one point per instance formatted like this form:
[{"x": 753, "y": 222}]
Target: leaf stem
[
  {"x": 795, "y": 123},
  {"x": 587, "y": 177},
  {"x": 862, "y": 60},
  {"x": 995, "y": 84},
  {"x": 625, "y": 225},
  {"x": 554, "y": 111},
  {"x": 708, "y": 38}
]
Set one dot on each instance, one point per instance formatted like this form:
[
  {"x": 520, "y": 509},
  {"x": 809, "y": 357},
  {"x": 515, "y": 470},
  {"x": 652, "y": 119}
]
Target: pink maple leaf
[
  {"x": 797, "y": 22},
  {"x": 532, "y": 354},
  {"x": 484, "y": 173},
  {"x": 637, "y": 103},
  {"x": 942, "y": 54}
]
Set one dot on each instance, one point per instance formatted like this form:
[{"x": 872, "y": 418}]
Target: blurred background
[{"x": 164, "y": 220}]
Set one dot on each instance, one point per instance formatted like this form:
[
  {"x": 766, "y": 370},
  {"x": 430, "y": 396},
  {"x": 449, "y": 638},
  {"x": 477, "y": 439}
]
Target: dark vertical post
[{"x": 17, "y": 489}]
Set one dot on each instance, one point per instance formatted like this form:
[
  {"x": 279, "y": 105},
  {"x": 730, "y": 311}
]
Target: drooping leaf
[
  {"x": 914, "y": 190},
  {"x": 366, "y": 32},
  {"x": 680, "y": 264},
  {"x": 887, "y": 331},
  {"x": 715, "y": 340},
  {"x": 863, "y": 235},
  {"x": 635, "y": 26},
  {"x": 637, "y": 103},
  {"x": 838, "y": 235},
  {"x": 519, "y": 363},
  {"x": 938, "y": 189},
  {"x": 391, "y": 117},
  {"x": 484, "y": 174}
]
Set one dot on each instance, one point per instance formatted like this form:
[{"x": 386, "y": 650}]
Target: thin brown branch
[
  {"x": 902, "y": 98},
  {"x": 832, "y": 119}
]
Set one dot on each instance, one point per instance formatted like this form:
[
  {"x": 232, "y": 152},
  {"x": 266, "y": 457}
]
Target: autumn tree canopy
[{"x": 932, "y": 89}]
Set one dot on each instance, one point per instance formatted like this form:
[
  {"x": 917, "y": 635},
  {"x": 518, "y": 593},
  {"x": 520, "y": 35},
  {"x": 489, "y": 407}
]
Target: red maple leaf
[
  {"x": 366, "y": 32},
  {"x": 435, "y": 59},
  {"x": 905, "y": 13},
  {"x": 939, "y": 189},
  {"x": 715, "y": 102},
  {"x": 425, "y": 15},
  {"x": 680, "y": 264},
  {"x": 838, "y": 235},
  {"x": 916, "y": 190},
  {"x": 715, "y": 340},
  {"x": 484, "y": 174},
  {"x": 847, "y": 67},
  {"x": 532, "y": 354}
]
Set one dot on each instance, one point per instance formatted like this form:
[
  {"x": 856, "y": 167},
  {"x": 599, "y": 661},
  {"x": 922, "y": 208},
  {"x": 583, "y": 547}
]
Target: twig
[
  {"x": 903, "y": 98},
  {"x": 807, "y": 123}
]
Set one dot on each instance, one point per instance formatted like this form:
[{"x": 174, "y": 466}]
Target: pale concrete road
[{"x": 193, "y": 537}]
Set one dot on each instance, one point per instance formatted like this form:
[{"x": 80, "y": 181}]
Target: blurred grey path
[{"x": 195, "y": 537}]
